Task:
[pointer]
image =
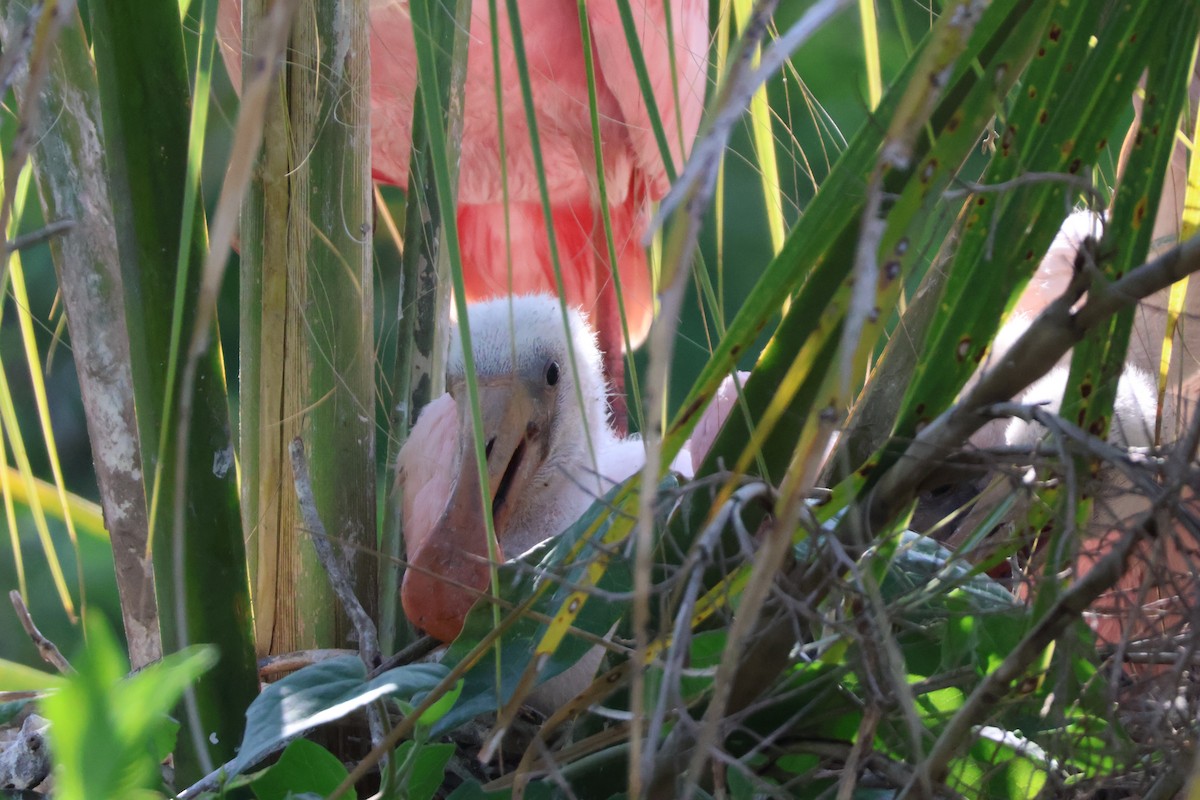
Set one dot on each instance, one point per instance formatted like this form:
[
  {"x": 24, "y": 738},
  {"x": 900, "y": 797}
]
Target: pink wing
[
  {"x": 425, "y": 470},
  {"x": 678, "y": 106}
]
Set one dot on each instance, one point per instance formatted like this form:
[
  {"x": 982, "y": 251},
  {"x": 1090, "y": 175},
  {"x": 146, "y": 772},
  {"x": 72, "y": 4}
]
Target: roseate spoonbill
[
  {"x": 548, "y": 456},
  {"x": 634, "y": 171}
]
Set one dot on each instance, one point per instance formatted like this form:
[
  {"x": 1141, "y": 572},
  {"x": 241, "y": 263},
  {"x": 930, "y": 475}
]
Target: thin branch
[
  {"x": 43, "y": 234},
  {"x": 1055, "y": 331},
  {"x": 270, "y": 666},
  {"x": 413, "y": 652},
  {"x": 335, "y": 568},
  {"x": 1081, "y": 182},
  {"x": 46, "y": 648},
  {"x": 701, "y": 555},
  {"x": 339, "y": 579}
]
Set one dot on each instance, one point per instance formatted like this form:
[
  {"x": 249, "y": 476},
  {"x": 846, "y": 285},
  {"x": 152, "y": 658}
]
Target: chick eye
[{"x": 552, "y": 373}]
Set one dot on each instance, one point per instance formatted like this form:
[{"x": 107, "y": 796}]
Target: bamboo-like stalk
[
  {"x": 307, "y": 304},
  {"x": 145, "y": 103}
]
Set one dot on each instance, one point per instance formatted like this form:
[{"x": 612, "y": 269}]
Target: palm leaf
[{"x": 145, "y": 100}]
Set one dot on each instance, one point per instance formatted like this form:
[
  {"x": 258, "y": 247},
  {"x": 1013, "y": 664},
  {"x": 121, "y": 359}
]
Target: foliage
[
  {"x": 109, "y": 732},
  {"x": 321, "y": 693}
]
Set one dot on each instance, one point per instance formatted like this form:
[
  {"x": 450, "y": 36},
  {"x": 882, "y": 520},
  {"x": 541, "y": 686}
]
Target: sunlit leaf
[{"x": 320, "y": 693}]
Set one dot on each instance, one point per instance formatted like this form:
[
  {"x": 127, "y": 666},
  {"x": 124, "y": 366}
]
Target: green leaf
[
  {"x": 321, "y": 693},
  {"x": 303, "y": 767},
  {"x": 1058, "y": 128},
  {"x": 442, "y": 707},
  {"x": 16, "y": 677},
  {"x": 1009, "y": 764},
  {"x": 109, "y": 732},
  {"x": 920, "y": 565},
  {"x": 426, "y": 770}
]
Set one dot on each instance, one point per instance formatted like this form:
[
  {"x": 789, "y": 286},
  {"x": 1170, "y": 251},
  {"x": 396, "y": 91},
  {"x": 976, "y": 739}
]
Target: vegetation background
[{"x": 915, "y": 698}]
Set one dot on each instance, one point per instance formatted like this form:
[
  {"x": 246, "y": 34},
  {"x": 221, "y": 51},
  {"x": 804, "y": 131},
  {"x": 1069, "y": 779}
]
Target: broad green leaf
[
  {"x": 442, "y": 707},
  {"x": 927, "y": 577},
  {"x": 321, "y": 693},
  {"x": 426, "y": 768},
  {"x": 303, "y": 766},
  {"x": 1011, "y": 765}
]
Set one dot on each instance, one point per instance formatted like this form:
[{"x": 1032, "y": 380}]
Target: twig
[
  {"x": 270, "y": 666},
  {"x": 701, "y": 555},
  {"x": 1106, "y": 572},
  {"x": 867, "y": 727},
  {"x": 1087, "y": 443},
  {"x": 43, "y": 234},
  {"x": 335, "y": 569},
  {"x": 418, "y": 649},
  {"x": 895, "y": 772},
  {"x": 339, "y": 579},
  {"x": 46, "y": 648},
  {"x": 737, "y": 661},
  {"x": 405, "y": 726},
  {"x": 1055, "y": 331},
  {"x": 1081, "y": 182}
]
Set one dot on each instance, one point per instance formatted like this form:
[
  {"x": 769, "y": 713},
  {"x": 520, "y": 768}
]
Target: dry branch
[
  {"x": 335, "y": 568},
  {"x": 1055, "y": 331},
  {"x": 46, "y": 648}
]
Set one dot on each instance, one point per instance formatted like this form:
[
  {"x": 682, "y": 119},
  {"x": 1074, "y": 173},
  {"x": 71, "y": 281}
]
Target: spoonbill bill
[
  {"x": 550, "y": 453},
  {"x": 506, "y": 245}
]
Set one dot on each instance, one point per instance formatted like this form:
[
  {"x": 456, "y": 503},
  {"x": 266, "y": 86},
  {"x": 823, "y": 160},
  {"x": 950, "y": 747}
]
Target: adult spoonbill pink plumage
[{"x": 496, "y": 263}]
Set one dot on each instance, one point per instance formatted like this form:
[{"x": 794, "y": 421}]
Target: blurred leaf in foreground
[{"x": 109, "y": 733}]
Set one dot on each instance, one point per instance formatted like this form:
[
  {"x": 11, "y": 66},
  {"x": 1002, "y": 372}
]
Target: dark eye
[{"x": 552, "y": 373}]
